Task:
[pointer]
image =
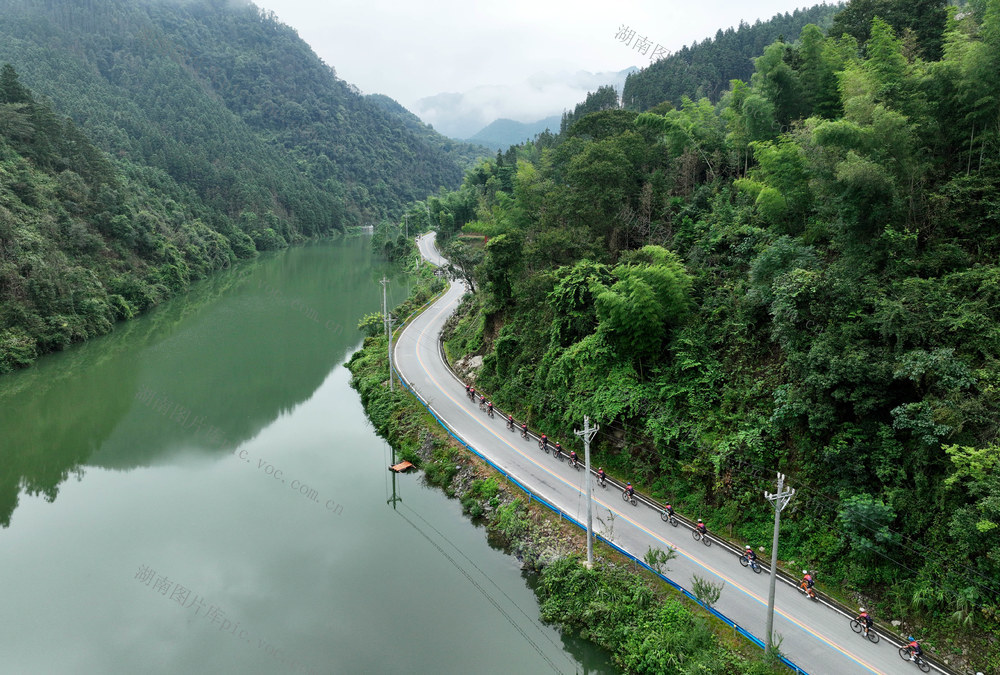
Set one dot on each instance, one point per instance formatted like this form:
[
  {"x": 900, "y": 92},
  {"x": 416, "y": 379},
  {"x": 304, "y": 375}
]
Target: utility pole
[
  {"x": 587, "y": 434},
  {"x": 780, "y": 500},
  {"x": 388, "y": 329}
]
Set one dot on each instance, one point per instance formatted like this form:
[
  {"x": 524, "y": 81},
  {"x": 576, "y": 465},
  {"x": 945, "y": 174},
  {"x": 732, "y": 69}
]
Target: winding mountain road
[{"x": 816, "y": 637}]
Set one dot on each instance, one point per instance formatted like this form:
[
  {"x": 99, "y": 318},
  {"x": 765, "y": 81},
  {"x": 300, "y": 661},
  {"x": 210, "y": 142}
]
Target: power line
[{"x": 482, "y": 590}]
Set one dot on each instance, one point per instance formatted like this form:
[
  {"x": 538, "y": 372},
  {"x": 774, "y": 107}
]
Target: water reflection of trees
[{"x": 238, "y": 351}]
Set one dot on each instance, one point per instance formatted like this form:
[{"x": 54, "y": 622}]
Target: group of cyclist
[
  {"x": 913, "y": 647},
  {"x": 807, "y": 584}
]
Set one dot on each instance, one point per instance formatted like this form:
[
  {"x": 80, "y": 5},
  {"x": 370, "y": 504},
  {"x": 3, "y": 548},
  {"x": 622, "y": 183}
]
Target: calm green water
[{"x": 200, "y": 492}]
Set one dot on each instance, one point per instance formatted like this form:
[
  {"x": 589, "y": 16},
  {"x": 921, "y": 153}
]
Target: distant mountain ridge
[
  {"x": 502, "y": 133},
  {"x": 465, "y": 114}
]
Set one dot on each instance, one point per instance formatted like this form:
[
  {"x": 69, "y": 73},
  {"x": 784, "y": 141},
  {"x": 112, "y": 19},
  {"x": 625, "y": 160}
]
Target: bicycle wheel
[
  {"x": 923, "y": 665},
  {"x": 624, "y": 496},
  {"x": 756, "y": 568},
  {"x": 664, "y": 516},
  {"x": 744, "y": 561},
  {"x": 904, "y": 653},
  {"x": 635, "y": 502},
  {"x": 696, "y": 534},
  {"x": 873, "y": 636},
  {"x": 855, "y": 625},
  {"x": 706, "y": 541},
  {"x": 673, "y": 521}
]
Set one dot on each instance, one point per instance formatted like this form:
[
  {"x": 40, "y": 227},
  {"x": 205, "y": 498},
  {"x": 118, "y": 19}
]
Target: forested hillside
[
  {"x": 705, "y": 68},
  {"x": 801, "y": 277},
  {"x": 201, "y": 132}
]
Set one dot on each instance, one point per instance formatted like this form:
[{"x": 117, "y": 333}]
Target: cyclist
[
  {"x": 700, "y": 526},
  {"x": 510, "y": 421},
  {"x": 807, "y": 583},
  {"x": 524, "y": 430},
  {"x": 472, "y": 392},
  {"x": 468, "y": 387},
  {"x": 600, "y": 474},
  {"x": 750, "y": 555},
  {"x": 670, "y": 510},
  {"x": 915, "y": 650},
  {"x": 865, "y": 619},
  {"x": 544, "y": 440},
  {"x": 489, "y": 407},
  {"x": 572, "y": 457},
  {"x": 558, "y": 448},
  {"x": 630, "y": 490}
]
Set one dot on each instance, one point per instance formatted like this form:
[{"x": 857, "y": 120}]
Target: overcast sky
[{"x": 509, "y": 58}]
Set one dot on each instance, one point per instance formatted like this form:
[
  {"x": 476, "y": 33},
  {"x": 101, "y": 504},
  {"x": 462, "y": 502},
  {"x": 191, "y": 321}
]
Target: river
[{"x": 200, "y": 492}]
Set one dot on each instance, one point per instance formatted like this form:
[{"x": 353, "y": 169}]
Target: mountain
[
  {"x": 464, "y": 154},
  {"x": 705, "y": 69},
  {"x": 501, "y": 134},
  {"x": 228, "y": 101},
  {"x": 145, "y": 144}
]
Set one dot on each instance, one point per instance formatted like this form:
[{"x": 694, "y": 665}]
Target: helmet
[
  {"x": 805, "y": 571},
  {"x": 748, "y": 548},
  {"x": 861, "y": 609}
]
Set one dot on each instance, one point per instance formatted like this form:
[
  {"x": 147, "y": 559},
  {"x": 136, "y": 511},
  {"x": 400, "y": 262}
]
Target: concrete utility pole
[
  {"x": 388, "y": 328},
  {"x": 587, "y": 434},
  {"x": 780, "y": 501}
]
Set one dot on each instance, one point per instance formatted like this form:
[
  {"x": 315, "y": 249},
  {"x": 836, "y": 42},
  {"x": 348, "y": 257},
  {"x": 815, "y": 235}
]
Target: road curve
[{"x": 816, "y": 637}]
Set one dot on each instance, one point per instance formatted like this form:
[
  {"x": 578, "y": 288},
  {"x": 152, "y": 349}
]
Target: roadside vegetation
[
  {"x": 645, "y": 625},
  {"x": 801, "y": 277}
]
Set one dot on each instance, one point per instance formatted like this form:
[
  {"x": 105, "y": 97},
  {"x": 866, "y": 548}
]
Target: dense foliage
[
  {"x": 199, "y": 133},
  {"x": 802, "y": 277},
  {"x": 645, "y": 633},
  {"x": 705, "y": 69}
]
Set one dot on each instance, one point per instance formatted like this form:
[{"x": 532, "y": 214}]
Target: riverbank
[{"x": 642, "y": 622}]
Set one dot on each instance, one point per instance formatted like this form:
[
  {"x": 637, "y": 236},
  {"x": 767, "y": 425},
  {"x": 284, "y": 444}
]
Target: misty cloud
[{"x": 461, "y": 115}]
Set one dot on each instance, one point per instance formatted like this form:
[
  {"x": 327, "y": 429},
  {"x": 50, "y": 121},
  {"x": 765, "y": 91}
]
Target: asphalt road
[{"x": 816, "y": 637}]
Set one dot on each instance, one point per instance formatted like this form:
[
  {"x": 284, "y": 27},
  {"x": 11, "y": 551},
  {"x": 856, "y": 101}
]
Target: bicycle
[
  {"x": 510, "y": 424},
  {"x": 752, "y": 564},
  {"x": 482, "y": 405},
  {"x": 542, "y": 445},
  {"x": 668, "y": 518},
  {"x": 524, "y": 432},
  {"x": 872, "y": 636},
  {"x": 630, "y": 498},
  {"x": 489, "y": 411},
  {"x": 575, "y": 463},
  {"x": 703, "y": 538},
  {"x": 602, "y": 481},
  {"x": 904, "y": 653}
]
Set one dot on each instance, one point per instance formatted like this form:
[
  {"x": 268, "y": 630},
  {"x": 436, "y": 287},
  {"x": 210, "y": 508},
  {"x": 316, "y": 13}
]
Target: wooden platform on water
[{"x": 401, "y": 467}]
